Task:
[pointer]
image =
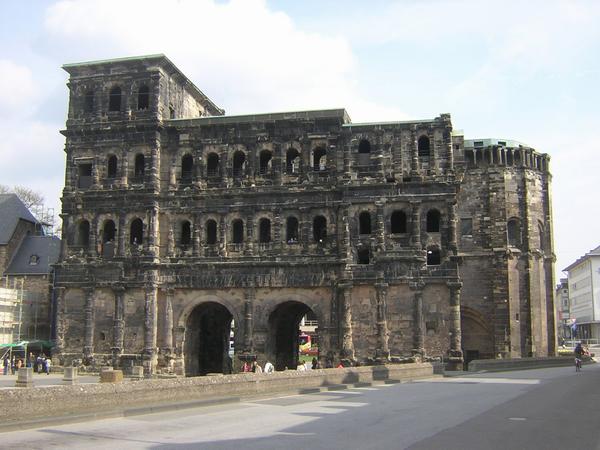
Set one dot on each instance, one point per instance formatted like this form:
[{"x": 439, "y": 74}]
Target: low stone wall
[
  {"x": 123, "y": 398},
  {"x": 499, "y": 365}
]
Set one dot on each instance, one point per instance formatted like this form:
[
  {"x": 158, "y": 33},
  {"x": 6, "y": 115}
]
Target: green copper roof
[{"x": 115, "y": 60}]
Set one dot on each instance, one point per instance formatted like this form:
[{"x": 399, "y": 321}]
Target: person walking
[
  {"x": 315, "y": 364},
  {"x": 48, "y": 364},
  {"x": 256, "y": 367},
  {"x": 269, "y": 368}
]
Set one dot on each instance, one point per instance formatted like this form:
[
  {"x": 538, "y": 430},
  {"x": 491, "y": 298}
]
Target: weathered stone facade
[{"x": 178, "y": 219}]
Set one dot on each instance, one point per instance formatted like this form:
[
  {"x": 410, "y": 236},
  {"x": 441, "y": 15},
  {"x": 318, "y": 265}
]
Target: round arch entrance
[
  {"x": 477, "y": 338},
  {"x": 207, "y": 333},
  {"x": 285, "y": 333}
]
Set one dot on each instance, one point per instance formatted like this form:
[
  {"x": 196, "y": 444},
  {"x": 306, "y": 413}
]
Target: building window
[
  {"x": 89, "y": 102},
  {"x": 364, "y": 220},
  {"x": 398, "y": 222},
  {"x": 433, "y": 256},
  {"x": 140, "y": 166},
  {"x": 364, "y": 146},
  {"x": 319, "y": 229},
  {"x": 513, "y": 231},
  {"x": 212, "y": 165},
  {"x": 238, "y": 231},
  {"x": 185, "y": 238},
  {"x": 187, "y": 168},
  {"x": 363, "y": 256},
  {"x": 433, "y": 221},
  {"x": 34, "y": 260},
  {"x": 143, "y": 97},
  {"x": 136, "y": 232},
  {"x": 211, "y": 232},
  {"x": 108, "y": 238},
  {"x": 264, "y": 231},
  {"x": 319, "y": 159},
  {"x": 423, "y": 147},
  {"x": 291, "y": 230},
  {"x": 466, "y": 226},
  {"x": 292, "y": 161},
  {"x": 111, "y": 167},
  {"x": 266, "y": 158},
  {"x": 83, "y": 234},
  {"x": 239, "y": 162},
  {"x": 85, "y": 175},
  {"x": 114, "y": 100}
]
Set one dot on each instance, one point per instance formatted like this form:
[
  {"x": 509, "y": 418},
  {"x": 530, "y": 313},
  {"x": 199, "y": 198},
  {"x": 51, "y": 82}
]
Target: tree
[{"x": 28, "y": 196}]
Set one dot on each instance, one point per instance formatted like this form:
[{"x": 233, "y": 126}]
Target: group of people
[
  {"x": 40, "y": 363},
  {"x": 270, "y": 368}
]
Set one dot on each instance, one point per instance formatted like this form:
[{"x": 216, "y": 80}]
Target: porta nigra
[{"x": 184, "y": 228}]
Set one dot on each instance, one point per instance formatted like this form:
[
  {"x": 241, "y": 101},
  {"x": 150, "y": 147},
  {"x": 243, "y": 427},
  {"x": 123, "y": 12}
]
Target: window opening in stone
[
  {"x": 466, "y": 226},
  {"x": 319, "y": 229},
  {"x": 398, "y": 222},
  {"x": 423, "y": 147},
  {"x": 487, "y": 156},
  {"x": 239, "y": 162},
  {"x": 89, "y": 102},
  {"x": 211, "y": 232},
  {"x": 292, "y": 161},
  {"x": 212, "y": 165},
  {"x": 364, "y": 220},
  {"x": 102, "y": 336},
  {"x": 185, "y": 239},
  {"x": 264, "y": 229},
  {"x": 136, "y": 232},
  {"x": 108, "y": 239},
  {"x": 171, "y": 112},
  {"x": 111, "y": 167},
  {"x": 289, "y": 337},
  {"x": 83, "y": 234},
  {"x": 209, "y": 332},
  {"x": 517, "y": 157},
  {"x": 363, "y": 256},
  {"x": 114, "y": 101},
  {"x": 513, "y": 230},
  {"x": 34, "y": 260},
  {"x": 238, "y": 231},
  {"x": 140, "y": 163},
  {"x": 266, "y": 158},
  {"x": 433, "y": 256},
  {"x": 187, "y": 168},
  {"x": 291, "y": 230},
  {"x": 509, "y": 158},
  {"x": 85, "y": 175},
  {"x": 433, "y": 221},
  {"x": 319, "y": 159},
  {"x": 470, "y": 158},
  {"x": 364, "y": 146},
  {"x": 143, "y": 97},
  {"x": 540, "y": 236},
  {"x": 478, "y": 158}
]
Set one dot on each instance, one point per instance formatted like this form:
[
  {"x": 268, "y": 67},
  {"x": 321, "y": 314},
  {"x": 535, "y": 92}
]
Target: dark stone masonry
[{"x": 184, "y": 227}]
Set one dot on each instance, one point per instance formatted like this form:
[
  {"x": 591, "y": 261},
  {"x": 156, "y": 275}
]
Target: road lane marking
[{"x": 470, "y": 380}]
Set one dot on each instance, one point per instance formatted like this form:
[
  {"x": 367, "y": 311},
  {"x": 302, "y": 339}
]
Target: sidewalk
[{"x": 54, "y": 379}]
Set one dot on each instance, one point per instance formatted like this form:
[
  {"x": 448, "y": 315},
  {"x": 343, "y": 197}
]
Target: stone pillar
[
  {"x": 197, "y": 235},
  {"x": 94, "y": 242},
  {"x": 347, "y": 166},
  {"x": 171, "y": 242},
  {"x": 173, "y": 174},
  {"x": 95, "y": 174},
  {"x": 121, "y": 234},
  {"x": 346, "y": 248},
  {"x": 59, "y": 336},
  {"x": 249, "y": 241},
  {"x": 455, "y": 355},
  {"x": 69, "y": 170},
  {"x": 118, "y": 324},
  {"x": 222, "y": 236},
  {"x": 345, "y": 293},
  {"x": 155, "y": 167},
  {"x": 153, "y": 240},
  {"x": 449, "y": 147},
  {"x": 277, "y": 228},
  {"x": 415, "y": 238},
  {"x": 179, "y": 362},
  {"x": 88, "y": 343},
  {"x": 66, "y": 220},
  {"x": 419, "y": 331},
  {"x": 249, "y": 295},
  {"x": 167, "y": 332},
  {"x": 414, "y": 154},
  {"x": 452, "y": 226},
  {"x": 305, "y": 232},
  {"x": 380, "y": 227},
  {"x": 150, "y": 325},
  {"x": 124, "y": 168},
  {"x": 382, "y": 352}
]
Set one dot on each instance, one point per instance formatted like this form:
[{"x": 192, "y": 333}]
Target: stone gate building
[{"x": 183, "y": 227}]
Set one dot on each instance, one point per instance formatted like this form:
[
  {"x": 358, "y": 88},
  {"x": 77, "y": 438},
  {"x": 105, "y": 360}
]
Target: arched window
[
  {"x": 264, "y": 230},
  {"x": 541, "y": 235},
  {"x": 187, "y": 168},
  {"x": 185, "y": 238},
  {"x": 291, "y": 230},
  {"x": 433, "y": 256},
  {"x": 238, "y": 231},
  {"x": 319, "y": 229},
  {"x": 140, "y": 163},
  {"x": 143, "y": 97},
  {"x": 211, "y": 232},
  {"x": 212, "y": 165},
  {"x": 398, "y": 222},
  {"x": 114, "y": 99},
  {"x": 364, "y": 146},
  {"x": 111, "y": 167},
  {"x": 319, "y": 159},
  {"x": 266, "y": 158},
  {"x": 513, "y": 231},
  {"x": 433, "y": 221},
  {"x": 136, "y": 232},
  {"x": 89, "y": 102},
  {"x": 364, "y": 220},
  {"x": 239, "y": 161},
  {"x": 423, "y": 147},
  {"x": 108, "y": 231},
  {"x": 292, "y": 161},
  {"x": 83, "y": 234},
  {"x": 363, "y": 256}
]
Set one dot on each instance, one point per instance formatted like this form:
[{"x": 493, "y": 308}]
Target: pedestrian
[
  {"x": 256, "y": 367},
  {"x": 315, "y": 364},
  {"x": 43, "y": 363},
  {"x": 6, "y": 362},
  {"x": 340, "y": 365},
  {"x": 48, "y": 364},
  {"x": 269, "y": 368},
  {"x": 301, "y": 366},
  {"x": 245, "y": 367}
]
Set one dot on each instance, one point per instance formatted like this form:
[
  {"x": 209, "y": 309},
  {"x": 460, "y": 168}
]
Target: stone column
[
  {"x": 249, "y": 295},
  {"x": 382, "y": 352},
  {"x": 167, "y": 331},
  {"x": 380, "y": 227},
  {"x": 222, "y": 236},
  {"x": 452, "y": 225},
  {"x": 415, "y": 237},
  {"x": 414, "y": 154},
  {"x": 179, "y": 362},
  {"x": 305, "y": 232},
  {"x": 118, "y": 323},
  {"x": 171, "y": 242},
  {"x": 347, "y": 165},
  {"x": 59, "y": 336},
  {"x": 153, "y": 239},
  {"x": 419, "y": 332},
  {"x": 449, "y": 147},
  {"x": 150, "y": 325},
  {"x": 121, "y": 234},
  {"x": 345, "y": 293},
  {"x": 94, "y": 242},
  {"x": 69, "y": 169},
  {"x": 197, "y": 235},
  {"x": 173, "y": 174},
  {"x": 66, "y": 220},
  {"x": 124, "y": 168},
  {"x": 346, "y": 247},
  {"x": 249, "y": 241},
  {"x": 95, "y": 174},
  {"x": 88, "y": 336},
  {"x": 155, "y": 167},
  {"x": 455, "y": 352}
]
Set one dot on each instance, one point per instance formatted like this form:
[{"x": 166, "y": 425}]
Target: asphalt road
[{"x": 535, "y": 409}]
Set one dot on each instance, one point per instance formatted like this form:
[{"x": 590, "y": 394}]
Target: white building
[
  {"x": 561, "y": 301},
  {"x": 584, "y": 294}
]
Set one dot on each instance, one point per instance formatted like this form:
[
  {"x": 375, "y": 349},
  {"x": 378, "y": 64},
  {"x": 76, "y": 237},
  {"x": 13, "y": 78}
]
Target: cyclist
[{"x": 579, "y": 352}]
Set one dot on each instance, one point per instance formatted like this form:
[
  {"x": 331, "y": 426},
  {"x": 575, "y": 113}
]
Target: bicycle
[{"x": 577, "y": 364}]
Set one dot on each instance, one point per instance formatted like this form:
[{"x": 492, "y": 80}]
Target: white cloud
[{"x": 17, "y": 90}]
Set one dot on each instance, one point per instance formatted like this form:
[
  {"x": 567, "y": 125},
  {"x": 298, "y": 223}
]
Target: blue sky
[{"x": 527, "y": 71}]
